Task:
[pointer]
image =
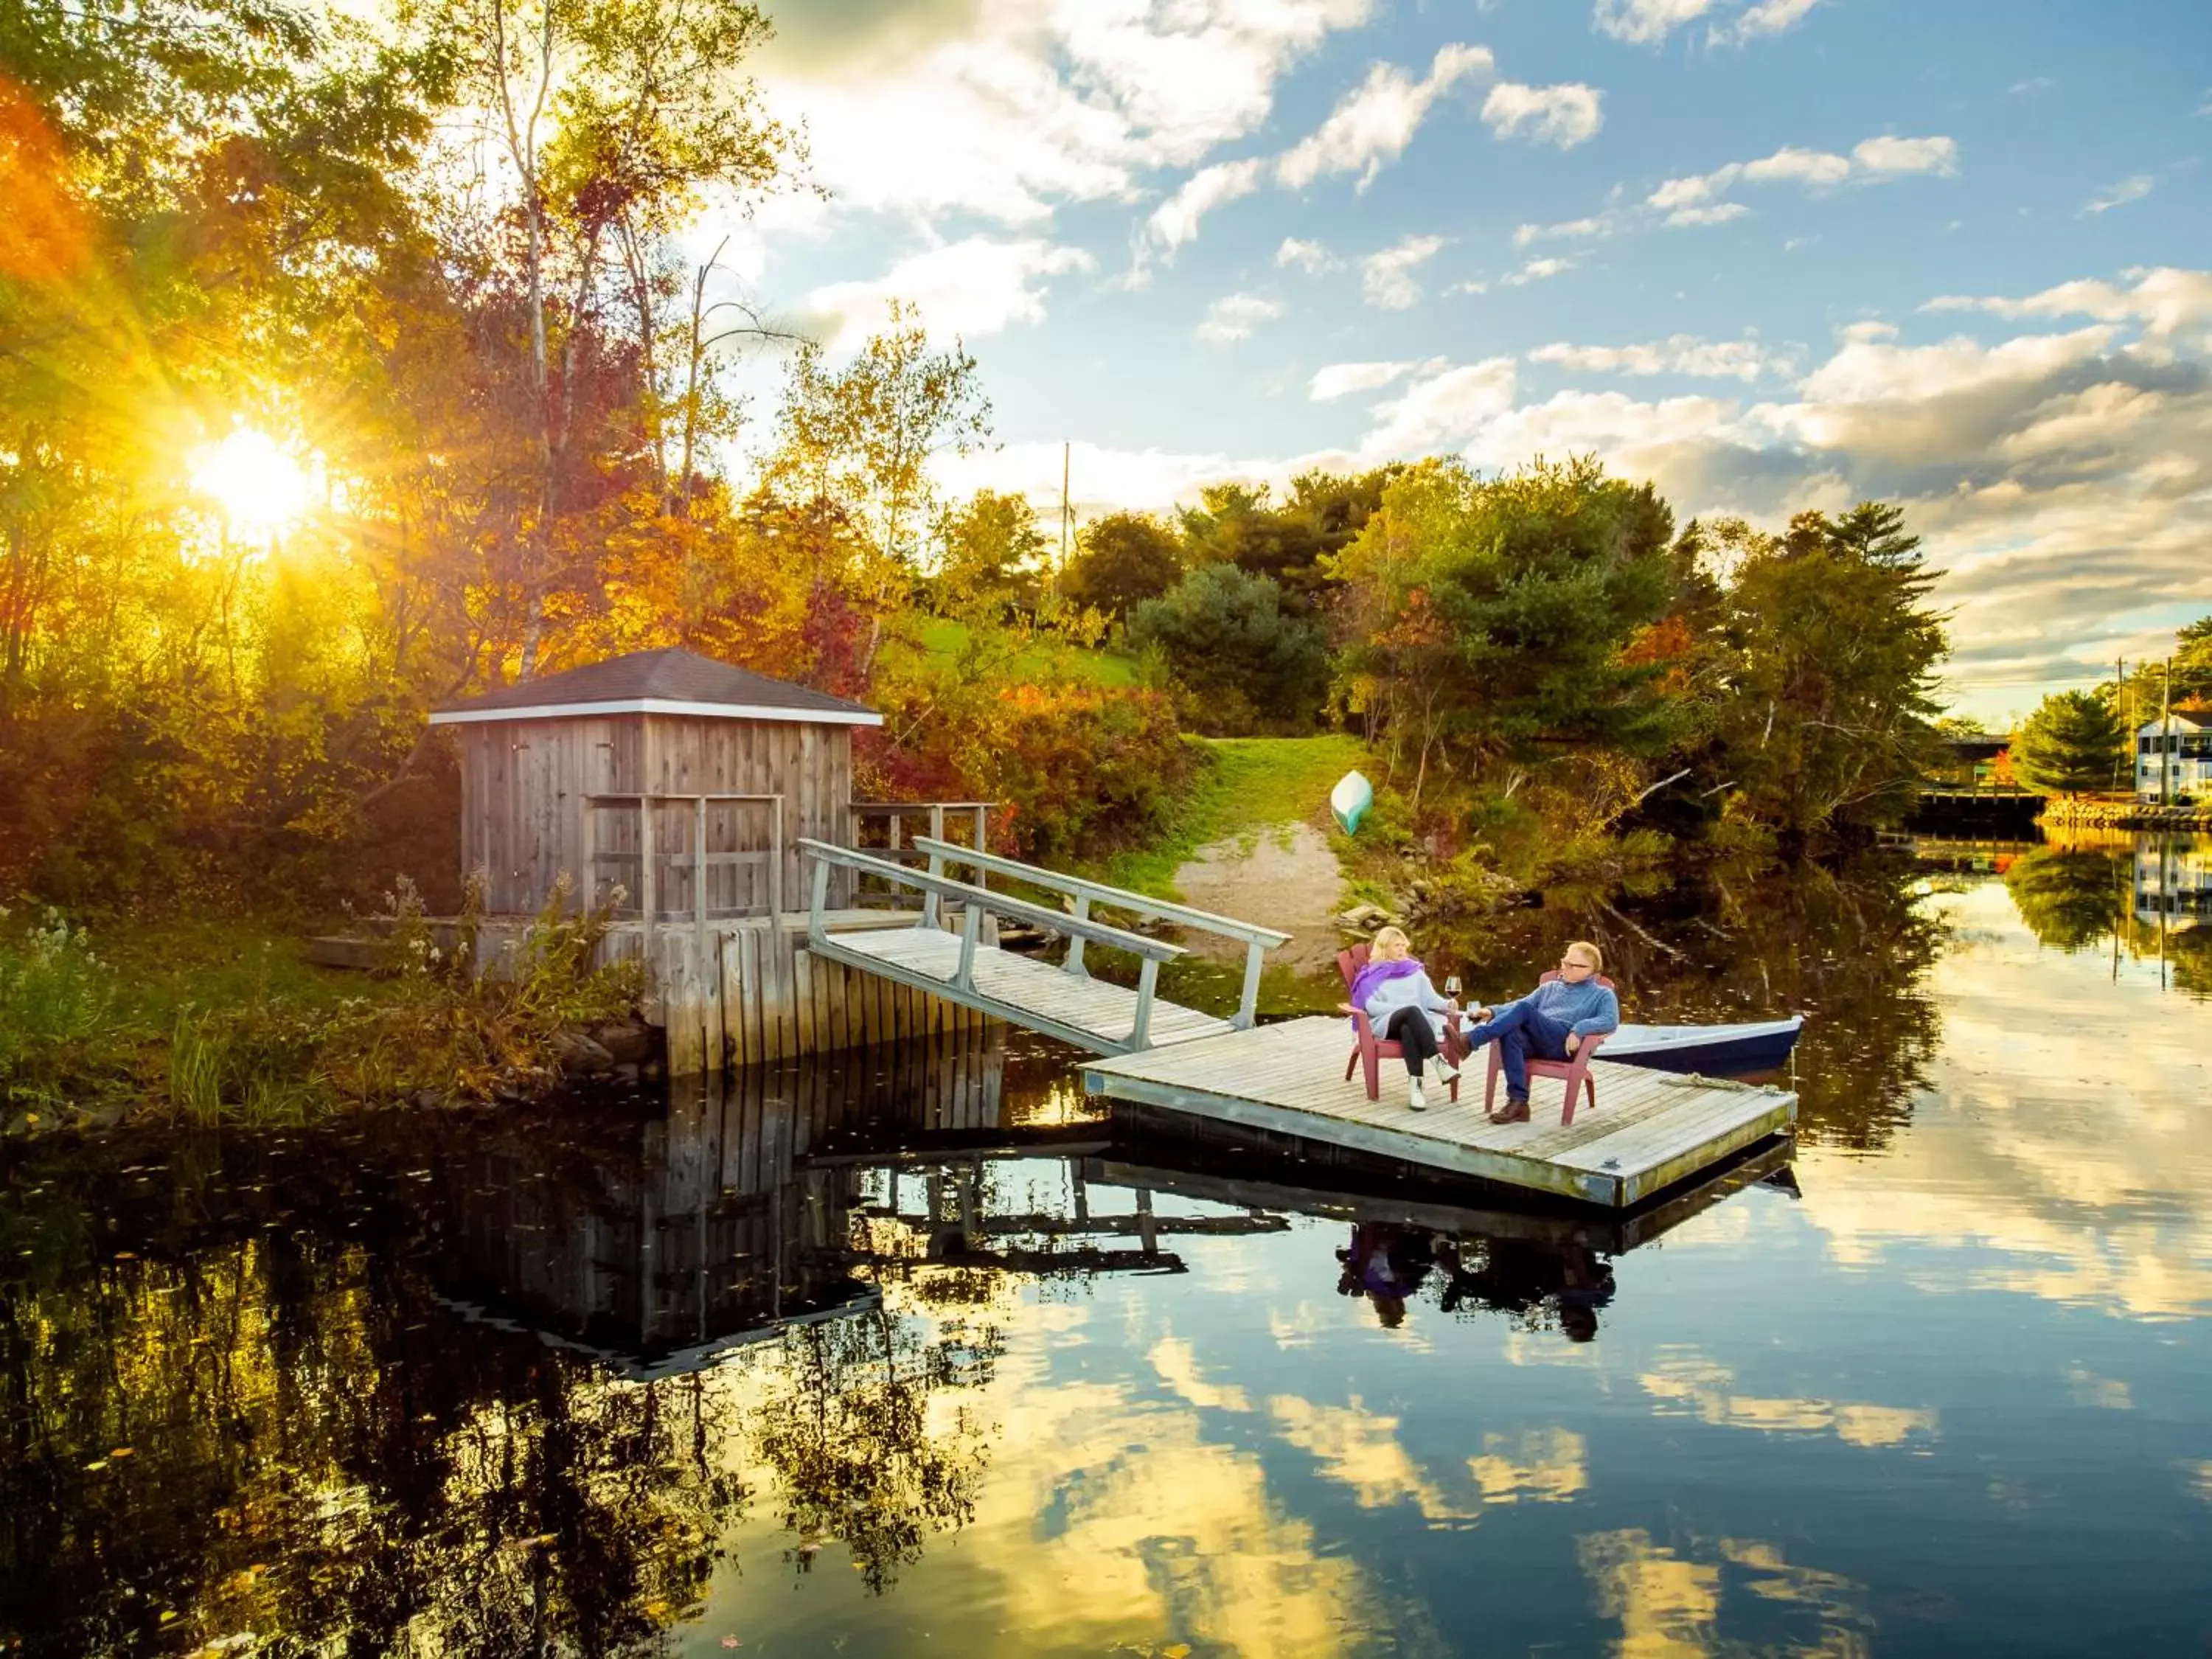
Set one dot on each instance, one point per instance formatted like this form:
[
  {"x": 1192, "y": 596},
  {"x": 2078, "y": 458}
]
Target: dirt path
[{"x": 1280, "y": 875}]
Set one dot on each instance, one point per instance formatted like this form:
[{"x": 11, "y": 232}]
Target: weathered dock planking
[
  {"x": 1651, "y": 1130},
  {"x": 1087, "y": 1012}
]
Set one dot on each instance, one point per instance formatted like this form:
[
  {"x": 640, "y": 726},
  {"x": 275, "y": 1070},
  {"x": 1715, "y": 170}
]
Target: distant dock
[{"x": 1651, "y": 1130}]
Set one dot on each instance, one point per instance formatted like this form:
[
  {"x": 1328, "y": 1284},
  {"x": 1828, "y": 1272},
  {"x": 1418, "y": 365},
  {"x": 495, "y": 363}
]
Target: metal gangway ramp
[{"x": 1065, "y": 1001}]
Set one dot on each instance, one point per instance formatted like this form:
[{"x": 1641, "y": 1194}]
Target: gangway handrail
[
  {"x": 975, "y": 901},
  {"x": 1257, "y": 941},
  {"x": 1043, "y": 916}
]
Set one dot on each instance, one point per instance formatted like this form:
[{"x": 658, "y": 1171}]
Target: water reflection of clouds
[
  {"x": 1668, "y": 1605},
  {"x": 1110, "y": 1518},
  {"x": 1537, "y": 1466},
  {"x": 1177, "y": 1364},
  {"x": 2059, "y": 1144},
  {"x": 1359, "y": 1449},
  {"x": 2106, "y": 1393},
  {"x": 1684, "y": 1381}
]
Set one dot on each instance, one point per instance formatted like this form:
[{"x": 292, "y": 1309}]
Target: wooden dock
[{"x": 1650, "y": 1131}]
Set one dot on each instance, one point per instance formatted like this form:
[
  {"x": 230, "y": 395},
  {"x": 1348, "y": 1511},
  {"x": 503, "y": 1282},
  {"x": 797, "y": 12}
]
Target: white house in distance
[
  {"x": 2182, "y": 741},
  {"x": 2172, "y": 881}
]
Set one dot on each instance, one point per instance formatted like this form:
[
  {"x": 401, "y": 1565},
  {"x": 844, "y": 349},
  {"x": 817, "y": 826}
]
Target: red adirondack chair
[
  {"x": 1576, "y": 1070},
  {"x": 1368, "y": 1049}
]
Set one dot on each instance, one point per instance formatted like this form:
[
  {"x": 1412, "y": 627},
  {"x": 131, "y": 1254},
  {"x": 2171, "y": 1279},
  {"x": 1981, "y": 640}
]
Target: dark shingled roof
[{"x": 666, "y": 676}]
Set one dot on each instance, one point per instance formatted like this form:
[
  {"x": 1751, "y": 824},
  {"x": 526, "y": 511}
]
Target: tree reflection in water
[
  {"x": 2070, "y": 897},
  {"x": 848, "y": 1430}
]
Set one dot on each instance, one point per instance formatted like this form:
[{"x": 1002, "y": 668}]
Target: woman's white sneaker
[{"x": 1414, "y": 1100}]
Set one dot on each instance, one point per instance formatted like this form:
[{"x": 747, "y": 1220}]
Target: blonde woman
[
  {"x": 1550, "y": 1023},
  {"x": 1393, "y": 990}
]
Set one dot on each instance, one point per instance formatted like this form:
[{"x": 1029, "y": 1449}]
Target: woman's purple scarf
[{"x": 1375, "y": 972}]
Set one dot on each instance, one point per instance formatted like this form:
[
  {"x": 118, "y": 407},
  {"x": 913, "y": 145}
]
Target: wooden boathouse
[{"x": 680, "y": 791}]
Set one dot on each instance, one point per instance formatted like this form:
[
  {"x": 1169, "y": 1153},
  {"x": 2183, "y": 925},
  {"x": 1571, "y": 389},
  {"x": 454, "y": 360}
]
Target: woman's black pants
[{"x": 1410, "y": 1029}]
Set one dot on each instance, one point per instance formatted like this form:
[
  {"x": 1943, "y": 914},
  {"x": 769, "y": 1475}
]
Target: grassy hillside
[{"x": 1253, "y": 784}]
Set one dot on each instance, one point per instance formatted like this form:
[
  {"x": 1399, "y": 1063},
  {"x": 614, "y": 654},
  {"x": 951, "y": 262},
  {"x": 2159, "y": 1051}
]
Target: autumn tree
[
  {"x": 1122, "y": 559},
  {"x": 861, "y": 439},
  {"x": 991, "y": 557},
  {"x": 613, "y": 116}
]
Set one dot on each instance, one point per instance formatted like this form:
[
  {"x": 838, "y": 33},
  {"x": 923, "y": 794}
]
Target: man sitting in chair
[{"x": 1549, "y": 1023}]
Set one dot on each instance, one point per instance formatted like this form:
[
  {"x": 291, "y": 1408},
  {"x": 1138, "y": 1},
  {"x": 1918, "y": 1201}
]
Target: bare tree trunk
[{"x": 522, "y": 150}]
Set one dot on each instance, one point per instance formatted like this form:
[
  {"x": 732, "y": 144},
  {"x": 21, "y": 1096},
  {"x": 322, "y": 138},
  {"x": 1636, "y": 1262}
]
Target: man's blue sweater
[{"x": 1585, "y": 1009}]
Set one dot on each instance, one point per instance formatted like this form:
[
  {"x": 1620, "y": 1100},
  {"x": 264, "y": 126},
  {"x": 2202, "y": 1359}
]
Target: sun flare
[{"x": 260, "y": 490}]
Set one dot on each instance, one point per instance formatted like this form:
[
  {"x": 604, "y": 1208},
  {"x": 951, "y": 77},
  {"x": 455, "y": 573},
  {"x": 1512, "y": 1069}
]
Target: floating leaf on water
[
  {"x": 120, "y": 1451},
  {"x": 95, "y": 1468},
  {"x": 1179, "y": 1651}
]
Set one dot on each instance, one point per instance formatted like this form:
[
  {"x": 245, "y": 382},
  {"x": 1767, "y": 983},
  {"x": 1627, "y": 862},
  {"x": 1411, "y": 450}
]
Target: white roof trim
[{"x": 726, "y": 711}]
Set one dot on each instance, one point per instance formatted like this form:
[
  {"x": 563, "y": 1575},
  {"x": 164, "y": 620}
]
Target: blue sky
[{"x": 1771, "y": 255}]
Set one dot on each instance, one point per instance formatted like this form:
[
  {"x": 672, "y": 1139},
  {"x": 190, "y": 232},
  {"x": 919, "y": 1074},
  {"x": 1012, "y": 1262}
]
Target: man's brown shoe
[{"x": 1514, "y": 1111}]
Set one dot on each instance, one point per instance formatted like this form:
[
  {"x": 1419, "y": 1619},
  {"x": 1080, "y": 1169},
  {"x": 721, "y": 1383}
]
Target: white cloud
[
  {"x": 1714, "y": 213},
  {"x": 2119, "y": 195},
  {"x": 1312, "y": 258},
  {"x": 1537, "y": 271},
  {"x": 1768, "y": 17},
  {"x": 1647, "y": 22},
  {"x": 1440, "y": 409},
  {"x": 1563, "y": 115},
  {"x": 1644, "y": 22},
  {"x": 1342, "y": 379},
  {"x": 1373, "y": 126},
  {"x": 1007, "y": 111},
  {"x": 1387, "y": 278},
  {"x": 1234, "y": 316},
  {"x": 1603, "y": 224},
  {"x": 1887, "y": 157},
  {"x": 974, "y": 286},
  {"x": 1696, "y": 199},
  {"x": 1678, "y": 354},
  {"x": 2165, "y": 300},
  {"x": 1174, "y": 222},
  {"x": 1812, "y": 168}
]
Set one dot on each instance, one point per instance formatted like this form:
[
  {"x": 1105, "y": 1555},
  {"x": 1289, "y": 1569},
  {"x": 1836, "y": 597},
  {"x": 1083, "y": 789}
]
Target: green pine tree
[{"x": 2072, "y": 743}]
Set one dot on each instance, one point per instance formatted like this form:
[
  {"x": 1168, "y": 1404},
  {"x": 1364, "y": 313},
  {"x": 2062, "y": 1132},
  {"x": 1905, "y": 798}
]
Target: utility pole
[
  {"x": 2120, "y": 698},
  {"x": 2166, "y": 738},
  {"x": 1067, "y": 516}
]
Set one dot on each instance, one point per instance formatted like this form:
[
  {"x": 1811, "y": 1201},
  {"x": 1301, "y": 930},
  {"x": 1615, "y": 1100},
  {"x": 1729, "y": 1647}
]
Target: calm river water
[{"x": 786, "y": 1370}]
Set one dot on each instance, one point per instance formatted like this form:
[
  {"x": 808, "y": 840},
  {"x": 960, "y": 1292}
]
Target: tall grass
[
  {"x": 226, "y": 1026},
  {"x": 56, "y": 999}
]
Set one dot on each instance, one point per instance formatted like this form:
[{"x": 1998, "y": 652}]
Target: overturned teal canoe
[{"x": 1350, "y": 800}]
